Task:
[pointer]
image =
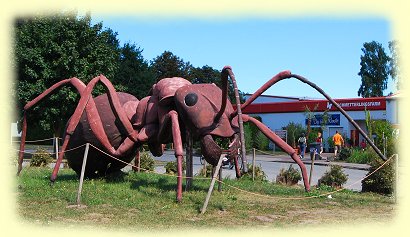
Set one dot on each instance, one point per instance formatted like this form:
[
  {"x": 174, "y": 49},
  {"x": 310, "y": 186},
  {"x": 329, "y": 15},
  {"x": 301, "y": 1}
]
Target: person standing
[
  {"x": 363, "y": 145},
  {"x": 338, "y": 141},
  {"x": 302, "y": 145},
  {"x": 319, "y": 139}
]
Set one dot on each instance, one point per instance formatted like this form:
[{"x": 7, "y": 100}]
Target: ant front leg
[
  {"x": 172, "y": 117},
  {"x": 282, "y": 144}
]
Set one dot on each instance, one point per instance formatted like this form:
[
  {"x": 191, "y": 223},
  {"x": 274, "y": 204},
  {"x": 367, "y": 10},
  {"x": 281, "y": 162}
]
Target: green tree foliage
[
  {"x": 254, "y": 138},
  {"x": 294, "y": 132},
  {"x": 51, "y": 48},
  {"x": 310, "y": 116},
  {"x": 374, "y": 70},
  {"x": 134, "y": 73},
  {"x": 248, "y": 136},
  {"x": 261, "y": 141},
  {"x": 208, "y": 74},
  {"x": 380, "y": 128},
  {"x": 169, "y": 65},
  {"x": 394, "y": 64}
]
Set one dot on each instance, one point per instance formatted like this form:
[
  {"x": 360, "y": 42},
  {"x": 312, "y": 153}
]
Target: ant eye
[{"x": 191, "y": 99}]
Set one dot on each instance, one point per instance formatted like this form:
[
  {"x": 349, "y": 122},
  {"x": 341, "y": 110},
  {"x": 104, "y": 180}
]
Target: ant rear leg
[
  {"x": 87, "y": 104},
  {"x": 77, "y": 83},
  {"x": 282, "y": 144}
]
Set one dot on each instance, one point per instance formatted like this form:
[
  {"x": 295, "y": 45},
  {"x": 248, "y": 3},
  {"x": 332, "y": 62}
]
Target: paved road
[{"x": 271, "y": 165}]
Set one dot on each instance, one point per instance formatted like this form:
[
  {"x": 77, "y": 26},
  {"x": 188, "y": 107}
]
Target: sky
[{"x": 324, "y": 50}]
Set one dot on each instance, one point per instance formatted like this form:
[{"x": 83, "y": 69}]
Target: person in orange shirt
[{"x": 338, "y": 141}]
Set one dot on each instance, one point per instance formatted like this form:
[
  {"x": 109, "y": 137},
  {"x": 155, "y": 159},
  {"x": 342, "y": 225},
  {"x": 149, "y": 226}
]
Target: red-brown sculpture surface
[{"x": 118, "y": 123}]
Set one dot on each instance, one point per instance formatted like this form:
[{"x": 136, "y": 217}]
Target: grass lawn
[{"x": 141, "y": 201}]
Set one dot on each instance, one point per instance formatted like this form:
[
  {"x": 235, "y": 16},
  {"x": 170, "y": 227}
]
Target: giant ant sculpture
[{"x": 118, "y": 123}]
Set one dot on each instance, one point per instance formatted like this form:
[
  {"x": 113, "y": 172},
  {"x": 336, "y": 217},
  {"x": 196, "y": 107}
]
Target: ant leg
[
  {"x": 87, "y": 104},
  {"x": 172, "y": 116},
  {"x": 78, "y": 84},
  {"x": 287, "y": 74},
  {"x": 237, "y": 167},
  {"x": 227, "y": 71},
  {"x": 282, "y": 144},
  {"x": 278, "y": 77}
]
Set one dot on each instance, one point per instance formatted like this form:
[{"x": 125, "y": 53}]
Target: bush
[
  {"x": 362, "y": 157},
  {"x": 334, "y": 178},
  {"x": 171, "y": 167},
  {"x": 147, "y": 161},
  {"x": 205, "y": 172},
  {"x": 381, "y": 181},
  {"x": 291, "y": 176},
  {"x": 259, "y": 173},
  {"x": 345, "y": 153},
  {"x": 41, "y": 158},
  {"x": 330, "y": 142}
]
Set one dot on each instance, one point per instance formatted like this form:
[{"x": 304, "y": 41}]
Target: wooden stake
[
  {"x": 211, "y": 187},
  {"x": 87, "y": 147},
  {"x": 137, "y": 162},
  {"x": 396, "y": 178},
  {"x": 311, "y": 168},
  {"x": 220, "y": 179},
  {"x": 253, "y": 165}
]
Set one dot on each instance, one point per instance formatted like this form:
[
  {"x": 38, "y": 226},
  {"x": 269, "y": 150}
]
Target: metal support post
[
  {"x": 56, "y": 147},
  {"x": 87, "y": 147},
  {"x": 211, "y": 187}
]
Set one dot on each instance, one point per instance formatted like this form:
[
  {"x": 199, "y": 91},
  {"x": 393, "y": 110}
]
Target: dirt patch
[
  {"x": 193, "y": 219},
  {"x": 99, "y": 217},
  {"x": 268, "y": 218}
]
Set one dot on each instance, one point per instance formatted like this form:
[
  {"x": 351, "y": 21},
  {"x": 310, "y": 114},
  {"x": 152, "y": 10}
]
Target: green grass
[{"x": 144, "y": 201}]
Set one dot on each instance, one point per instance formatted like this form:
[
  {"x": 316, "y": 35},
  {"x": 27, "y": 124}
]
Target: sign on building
[
  {"x": 317, "y": 120},
  {"x": 282, "y": 134}
]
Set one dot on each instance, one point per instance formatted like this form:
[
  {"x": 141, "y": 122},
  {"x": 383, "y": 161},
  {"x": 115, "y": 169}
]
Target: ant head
[{"x": 198, "y": 106}]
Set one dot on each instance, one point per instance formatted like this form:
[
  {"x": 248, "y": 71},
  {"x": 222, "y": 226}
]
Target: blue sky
[{"x": 324, "y": 50}]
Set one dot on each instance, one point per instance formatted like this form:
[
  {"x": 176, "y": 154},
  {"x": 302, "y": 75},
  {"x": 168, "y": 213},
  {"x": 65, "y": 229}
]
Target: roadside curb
[{"x": 325, "y": 163}]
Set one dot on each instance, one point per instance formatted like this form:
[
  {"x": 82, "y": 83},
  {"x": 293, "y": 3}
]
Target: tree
[
  {"x": 134, "y": 73},
  {"x": 169, "y": 65},
  {"x": 374, "y": 70},
  {"x": 394, "y": 65},
  {"x": 208, "y": 74},
  {"x": 294, "y": 132},
  {"x": 310, "y": 115},
  {"x": 51, "y": 48}
]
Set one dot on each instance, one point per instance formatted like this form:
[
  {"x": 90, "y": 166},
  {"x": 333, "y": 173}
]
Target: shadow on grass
[
  {"x": 164, "y": 183},
  {"x": 64, "y": 177}
]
